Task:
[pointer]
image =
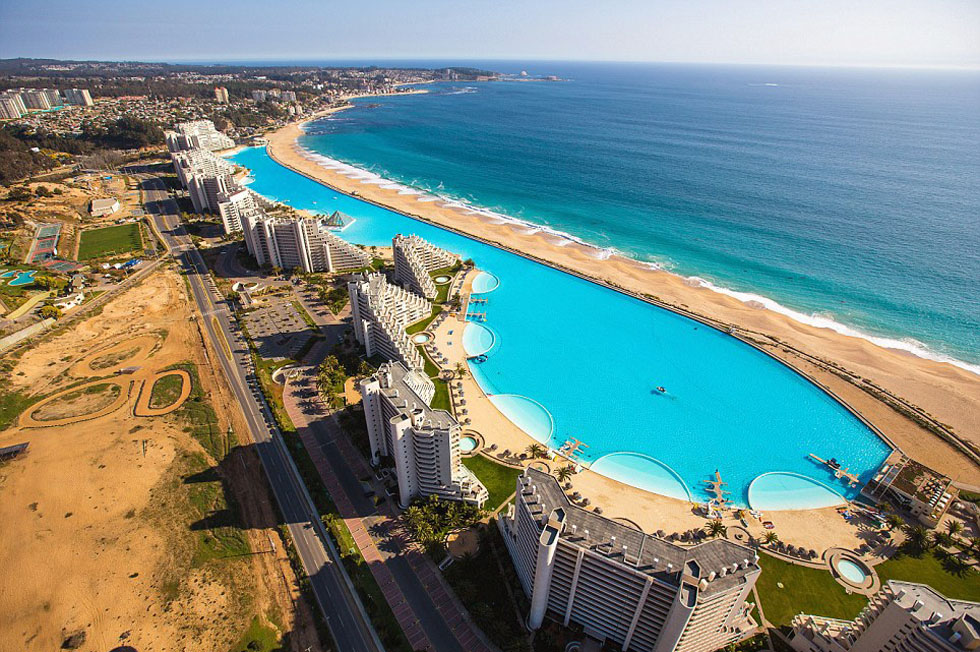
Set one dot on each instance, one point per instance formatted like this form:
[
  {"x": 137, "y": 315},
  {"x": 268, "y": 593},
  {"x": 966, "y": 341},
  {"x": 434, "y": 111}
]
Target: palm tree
[
  {"x": 770, "y": 538},
  {"x": 954, "y": 528},
  {"x": 918, "y": 536},
  {"x": 894, "y": 521},
  {"x": 535, "y": 451},
  {"x": 565, "y": 472},
  {"x": 942, "y": 539},
  {"x": 716, "y": 529}
]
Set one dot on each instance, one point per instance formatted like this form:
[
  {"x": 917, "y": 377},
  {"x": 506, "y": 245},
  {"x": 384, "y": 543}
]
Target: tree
[
  {"x": 536, "y": 450},
  {"x": 565, "y": 472},
  {"x": 716, "y": 529},
  {"x": 954, "y": 527},
  {"x": 770, "y": 538},
  {"x": 894, "y": 521},
  {"x": 942, "y": 539},
  {"x": 49, "y": 312},
  {"x": 918, "y": 536}
]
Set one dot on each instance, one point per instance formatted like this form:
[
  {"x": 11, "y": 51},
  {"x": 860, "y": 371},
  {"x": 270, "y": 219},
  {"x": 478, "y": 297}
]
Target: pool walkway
[{"x": 424, "y": 605}]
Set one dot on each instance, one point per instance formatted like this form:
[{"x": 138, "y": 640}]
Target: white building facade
[
  {"x": 197, "y": 134},
  {"x": 415, "y": 258},
  {"x": 302, "y": 243},
  {"x": 423, "y": 443},
  {"x": 626, "y": 588},
  {"x": 902, "y": 617},
  {"x": 380, "y": 313}
]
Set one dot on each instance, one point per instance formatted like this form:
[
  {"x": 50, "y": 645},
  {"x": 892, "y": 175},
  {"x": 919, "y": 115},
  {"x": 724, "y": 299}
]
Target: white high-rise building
[
  {"x": 79, "y": 97},
  {"x": 221, "y": 94},
  {"x": 35, "y": 98},
  {"x": 423, "y": 443},
  {"x": 302, "y": 243},
  {"x": 289, "y": 96},
  {"x": 205, "y": 176},
  {"x": 54, "y": 97},
  {"x": 636, "y": 591},
  {"x": 259, "y": 95},
  {"x": 380, "y": 312},
  {"x": 197, "y": 134},
  {"x": 902, "y": 617},
  {"x": 414, "y": 259},
  {"x": 11, "y": 106}
]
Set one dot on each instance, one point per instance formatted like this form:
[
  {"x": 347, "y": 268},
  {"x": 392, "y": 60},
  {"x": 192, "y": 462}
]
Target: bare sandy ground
[
  {"x": 94, "y": 531},
  {"x": 944, "y": 391}
]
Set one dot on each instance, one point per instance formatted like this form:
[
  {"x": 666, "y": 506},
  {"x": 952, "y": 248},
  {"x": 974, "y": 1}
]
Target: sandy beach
[{"x": 929, "y": 409}]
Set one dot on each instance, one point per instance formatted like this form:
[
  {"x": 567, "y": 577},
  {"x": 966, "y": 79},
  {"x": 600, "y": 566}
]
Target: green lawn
[
  {"x": 258, "y": 638},
  {"x": 420, "y": 326},
  {"x": 499, "y": 480},
  {"x": 806, "y": 590},
  {"x": 165, "y": 391},
  {"x": 927, "y": 569},
  {"x": 119, "y": 239}
]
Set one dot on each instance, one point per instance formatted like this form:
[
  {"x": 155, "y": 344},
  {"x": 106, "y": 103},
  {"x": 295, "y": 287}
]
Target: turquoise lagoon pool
[
  {"x": 572, "y": 359},
  {"x": 477, "y": 339},
  {"x": 23, "y": 278}
]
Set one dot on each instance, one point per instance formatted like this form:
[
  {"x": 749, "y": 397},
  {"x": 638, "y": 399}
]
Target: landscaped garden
[
  {"x": 499, "y": 480},
  {"x": 788, "y": 589}
]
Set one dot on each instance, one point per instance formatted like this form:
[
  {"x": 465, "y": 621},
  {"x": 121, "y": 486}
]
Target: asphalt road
[{"x": 348, "y": 622}]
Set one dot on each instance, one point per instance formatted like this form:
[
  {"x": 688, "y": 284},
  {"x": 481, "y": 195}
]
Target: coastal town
[{"x": 286, "y": 429}]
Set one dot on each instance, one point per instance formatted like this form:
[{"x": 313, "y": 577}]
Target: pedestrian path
[{"x": 382, "y": 526}]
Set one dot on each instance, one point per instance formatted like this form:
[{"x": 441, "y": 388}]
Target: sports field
[{"x": 119, "y": 239}]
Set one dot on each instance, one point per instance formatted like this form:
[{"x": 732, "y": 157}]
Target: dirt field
[{"x": 119, "y": 523}]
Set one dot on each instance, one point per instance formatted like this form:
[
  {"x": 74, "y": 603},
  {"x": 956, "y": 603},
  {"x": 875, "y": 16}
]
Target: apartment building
[
  {"x": 626, "y": 588},
  {"x": 292, "y": 242},
  {"x": 197, "y": 134},
  {"x": 259, "y": 96},
  {"x": 11, "y": 106},
  {"x": 415, "y": 258},
  {"x": 205, "y": 177},
  {"x": 902, "y": 617},
  {"x": 380, "y": 313},
  {"x": 423, "y": 443},
  {"x": 35, "y": 99},
  {"x": 78, "y": 97},
  {"x": 221, "y": 94}
]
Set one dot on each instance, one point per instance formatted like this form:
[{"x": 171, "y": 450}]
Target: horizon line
[{"x": 320, "y": 60}]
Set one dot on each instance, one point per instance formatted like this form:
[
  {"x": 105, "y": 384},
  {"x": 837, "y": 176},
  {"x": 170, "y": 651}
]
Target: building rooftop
[
  {"x": 935, "y": 612},
  {"x": 397, "y": 382},
  {"x": 716, "y": 564}
]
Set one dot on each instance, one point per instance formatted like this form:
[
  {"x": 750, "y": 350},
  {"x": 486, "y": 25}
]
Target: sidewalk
[{"x": 380, "y": 537}]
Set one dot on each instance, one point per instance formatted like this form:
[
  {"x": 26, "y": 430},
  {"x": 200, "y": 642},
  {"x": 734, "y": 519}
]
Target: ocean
[{"x": 847, "y": 198}]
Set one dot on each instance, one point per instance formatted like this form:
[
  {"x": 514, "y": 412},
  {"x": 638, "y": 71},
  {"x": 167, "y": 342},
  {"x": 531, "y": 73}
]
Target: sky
[{"x": 942, "y": 33}]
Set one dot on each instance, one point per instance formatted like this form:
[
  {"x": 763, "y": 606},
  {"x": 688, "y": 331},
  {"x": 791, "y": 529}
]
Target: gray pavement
[{"x": 335, "y": 595}]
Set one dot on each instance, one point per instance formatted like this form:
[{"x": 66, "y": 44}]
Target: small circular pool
[
  {"x": 851, "y": 571},
  {"x": 467, "y": 444},
  {"x": 485, "y": 282},
  {"x": 421, "y": 338},
  {"x": 477, "y": 339},
  {"x": 442, "y": 279}
]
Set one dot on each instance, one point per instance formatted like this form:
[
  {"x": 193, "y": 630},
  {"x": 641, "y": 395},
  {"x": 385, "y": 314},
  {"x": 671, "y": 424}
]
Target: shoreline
[{"x": 942, "y": 388}]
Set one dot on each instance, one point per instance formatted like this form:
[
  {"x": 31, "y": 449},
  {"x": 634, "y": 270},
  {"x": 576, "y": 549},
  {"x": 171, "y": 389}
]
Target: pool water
[
  {"x": 851, "y": 571},
  {"x": 442, "y": 279},
  {"x": 467, "y": 444},
  {"x": 574, "y": 359},
  {"x": 23, "y": 278},
  {"x": 485, "y": 282},
  {"x": 775, "y": 491},
  {"x": 477, "y": 339},
  {"x": 421, "y": 338}
]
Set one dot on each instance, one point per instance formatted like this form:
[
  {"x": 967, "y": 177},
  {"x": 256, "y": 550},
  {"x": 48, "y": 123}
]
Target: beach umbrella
[
  {"x": 568, "y": 485},
  {"x": 660, "y": 533},
  {"x": 813, "y": 553},
  {"x": 585, "y": 502},
  {"x": 577, "y": 496},
  {"x": 598, "y": 510},
  {"x": 493, "y": 447}
]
